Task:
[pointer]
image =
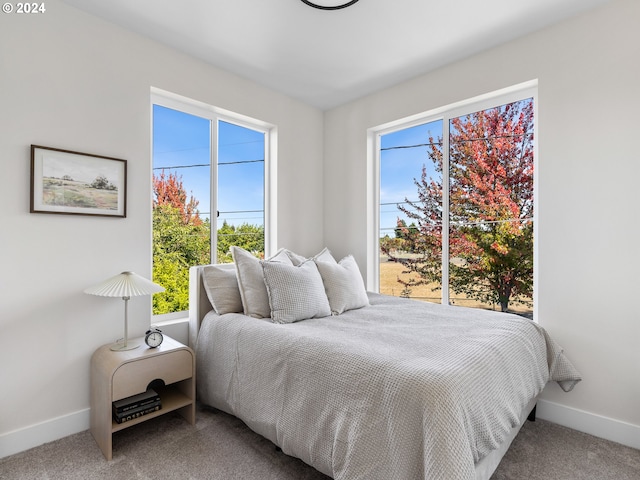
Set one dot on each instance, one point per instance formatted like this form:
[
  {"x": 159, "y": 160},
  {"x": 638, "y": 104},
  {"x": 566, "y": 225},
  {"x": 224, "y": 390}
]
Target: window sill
[{"x": 176, "y": 328}]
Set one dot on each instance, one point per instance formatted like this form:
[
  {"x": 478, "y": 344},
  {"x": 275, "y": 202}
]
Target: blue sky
[
  {"x": 398, "y": 168},
  {"x": 181, "y": 139}
]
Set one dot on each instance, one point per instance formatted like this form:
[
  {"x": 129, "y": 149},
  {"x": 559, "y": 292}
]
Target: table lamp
[{"x": 125, "y": 285}]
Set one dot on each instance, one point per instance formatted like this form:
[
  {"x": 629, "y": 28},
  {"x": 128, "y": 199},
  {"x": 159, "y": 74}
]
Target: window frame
[
  {"x": 445, "y": 113},
  {"x": 215, "y": 115}
]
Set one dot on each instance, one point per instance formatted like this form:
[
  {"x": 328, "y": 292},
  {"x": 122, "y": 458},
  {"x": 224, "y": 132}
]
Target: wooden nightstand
[{"x": 116, "y": 375}]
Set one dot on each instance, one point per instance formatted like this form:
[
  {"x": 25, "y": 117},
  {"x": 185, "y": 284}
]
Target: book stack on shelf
[{"x": 135, "y": 406}]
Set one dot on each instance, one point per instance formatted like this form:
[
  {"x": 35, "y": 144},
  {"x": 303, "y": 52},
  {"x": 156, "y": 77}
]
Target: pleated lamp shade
[{"x": 125, "y": 285}]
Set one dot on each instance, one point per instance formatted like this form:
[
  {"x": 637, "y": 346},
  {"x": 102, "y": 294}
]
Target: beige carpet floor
[{"x": 220, "y": 447}]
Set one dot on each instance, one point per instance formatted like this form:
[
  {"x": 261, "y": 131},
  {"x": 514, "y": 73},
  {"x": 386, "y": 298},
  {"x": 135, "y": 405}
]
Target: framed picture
[{"x": 77, "y": 183}]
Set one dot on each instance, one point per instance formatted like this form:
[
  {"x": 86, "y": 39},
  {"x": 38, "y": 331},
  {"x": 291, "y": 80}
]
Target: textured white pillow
[
  {"x": 221, "y": 285},
  {"x": 295, "y": 292},
  {"x": 343, "y": 284},
  {"x": 255, "y": 301}
]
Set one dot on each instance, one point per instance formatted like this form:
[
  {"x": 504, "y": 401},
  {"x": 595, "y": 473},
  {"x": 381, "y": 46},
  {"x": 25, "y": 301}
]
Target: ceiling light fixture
[{"x": 329, "y": 5}]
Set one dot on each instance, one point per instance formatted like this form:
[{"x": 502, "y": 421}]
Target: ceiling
[{"x": 326, "y": 58}]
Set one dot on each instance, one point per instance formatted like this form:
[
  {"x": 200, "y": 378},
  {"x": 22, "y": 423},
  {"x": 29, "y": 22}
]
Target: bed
[{"x": 396, "y": 388}]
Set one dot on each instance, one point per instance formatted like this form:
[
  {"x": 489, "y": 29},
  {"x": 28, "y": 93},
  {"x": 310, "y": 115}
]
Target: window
[
  {"x": 209, "y": 192},
  {"x": 402, "y": 156},
  {"x": 456, "y": 205}
]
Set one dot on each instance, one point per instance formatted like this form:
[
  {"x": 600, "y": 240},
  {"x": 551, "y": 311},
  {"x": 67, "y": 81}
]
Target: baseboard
[
  {"x": 48, "y": 431},
  {"x": 596, "y": 425}
]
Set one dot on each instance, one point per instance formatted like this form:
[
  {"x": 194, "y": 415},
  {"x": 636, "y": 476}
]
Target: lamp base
[{"x": 121, "y": 347}]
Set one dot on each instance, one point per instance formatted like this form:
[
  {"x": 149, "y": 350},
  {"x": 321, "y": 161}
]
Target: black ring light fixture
[{"x": 329, "y": 5}]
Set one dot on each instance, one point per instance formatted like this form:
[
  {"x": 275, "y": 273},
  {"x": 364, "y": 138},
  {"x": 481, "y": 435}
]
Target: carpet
[{"x": 221, "y": 447}]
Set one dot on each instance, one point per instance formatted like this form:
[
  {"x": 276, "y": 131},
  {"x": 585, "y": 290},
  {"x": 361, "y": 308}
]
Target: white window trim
[
  {"x": 482, "y": 102},
  {"x": 216, "y": 114}
]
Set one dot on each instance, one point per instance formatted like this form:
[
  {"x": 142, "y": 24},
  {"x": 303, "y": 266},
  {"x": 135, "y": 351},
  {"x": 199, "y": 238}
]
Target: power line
[
  {"x": 239, "y": 234},
  {"x": 241, "y": 161},
  {"x": 220, "y": 212},
  {"x": 195, "y": 165},
  {"x": 243, "y": 211},
  {"x": 485, "y": 139},
  {"x": 400, "y": 203},
  {"x": 182, "y": 166},
  {"x": 463, "y": 223},
  {"x": 399, "y": 147}
]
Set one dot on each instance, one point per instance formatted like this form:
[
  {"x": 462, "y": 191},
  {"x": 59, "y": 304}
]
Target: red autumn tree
[
  {"x": 168, "y": 190},
  {"x": 490, "y": 208}
]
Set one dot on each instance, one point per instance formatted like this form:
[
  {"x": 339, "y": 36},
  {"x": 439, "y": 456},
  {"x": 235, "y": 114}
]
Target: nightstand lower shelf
[{"x": 171, "y": 399}]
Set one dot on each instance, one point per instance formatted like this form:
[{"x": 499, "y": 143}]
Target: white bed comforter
[{"x": 398, "y": 390}]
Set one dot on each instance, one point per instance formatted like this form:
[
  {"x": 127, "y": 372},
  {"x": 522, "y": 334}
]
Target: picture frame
[{"x": 75, "y": 183}]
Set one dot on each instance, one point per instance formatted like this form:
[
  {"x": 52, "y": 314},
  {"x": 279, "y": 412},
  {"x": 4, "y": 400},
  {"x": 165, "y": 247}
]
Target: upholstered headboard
[{"x": 199, "y": 304}]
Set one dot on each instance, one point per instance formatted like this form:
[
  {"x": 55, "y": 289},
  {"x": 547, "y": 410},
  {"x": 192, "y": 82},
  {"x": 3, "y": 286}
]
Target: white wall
[
  {"x": 589, "y": 228},
  {"x": 72, "y": 81}
]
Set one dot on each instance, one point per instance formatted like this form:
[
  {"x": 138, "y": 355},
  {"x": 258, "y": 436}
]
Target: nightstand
[{"x": 116, "y": 375}]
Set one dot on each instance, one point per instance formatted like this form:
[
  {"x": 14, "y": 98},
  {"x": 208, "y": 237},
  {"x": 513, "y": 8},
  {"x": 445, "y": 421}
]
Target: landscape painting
[{"x": 77, "y": 183}]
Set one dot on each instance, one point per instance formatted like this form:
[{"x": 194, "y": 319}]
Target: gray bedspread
[{"x": 398, "y": 390}]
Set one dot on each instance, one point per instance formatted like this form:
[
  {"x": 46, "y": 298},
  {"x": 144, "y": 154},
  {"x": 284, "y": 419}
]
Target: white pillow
[
  {"x": 295, "y": 292},
  {"x": 295, "y": 258},
  {"x": 255, "y": 301},
  {"x": 324, "y": 255},
  {"x": 343, "y": 284},
  {"x": 221, "y": 285}
]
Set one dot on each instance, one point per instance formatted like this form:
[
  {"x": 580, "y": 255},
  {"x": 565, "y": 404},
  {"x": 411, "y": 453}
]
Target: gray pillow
[
  {"x": 253, "y": 292},
  {"x": 343, "y": 284},
  {"x": 221, "y": 285},
  {"x": 295, "y": 292}
]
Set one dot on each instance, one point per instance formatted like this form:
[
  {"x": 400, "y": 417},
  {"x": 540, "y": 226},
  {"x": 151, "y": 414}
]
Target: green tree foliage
[
  {"x": 403, "y": 240},
  {"x": 249, "y": 237},
  {"x": 180, "y": 240},
  {"x": 491, "y": 209}
]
